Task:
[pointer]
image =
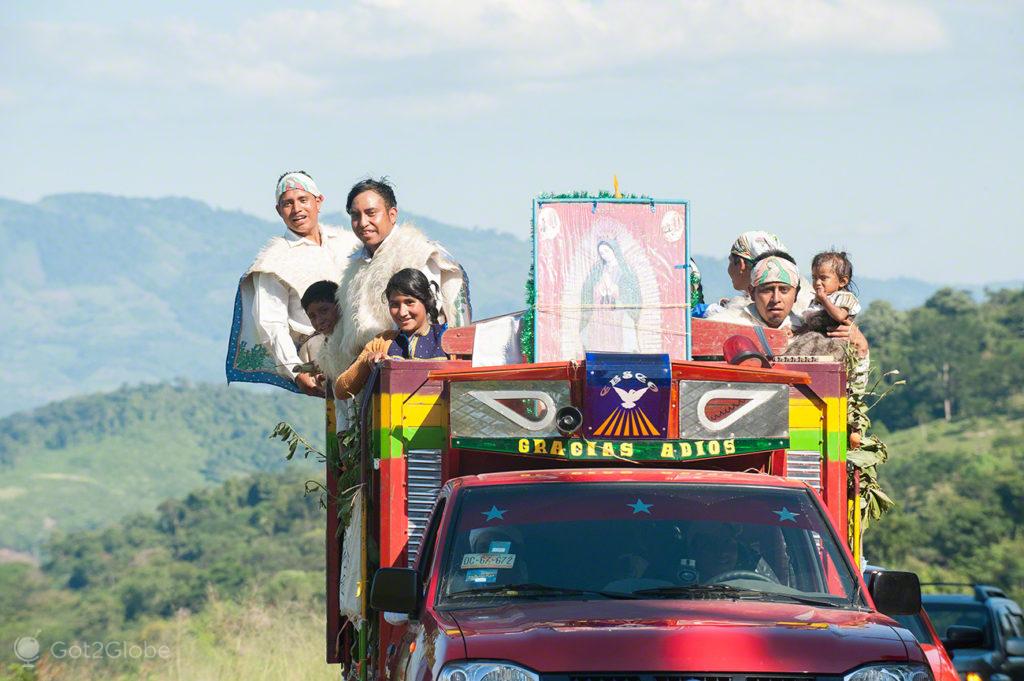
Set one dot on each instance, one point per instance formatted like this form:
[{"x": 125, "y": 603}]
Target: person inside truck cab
[
  {"x": 413, "y": 307},
  {"x": 721, "y": 553}
]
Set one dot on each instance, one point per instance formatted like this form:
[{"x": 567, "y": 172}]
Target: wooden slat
[
  {"x": 709, "y": 335},
  {"x": 538, "y": 371},
  {"x": 719, "y": 371},
  {"x": 458, "y": 340}
]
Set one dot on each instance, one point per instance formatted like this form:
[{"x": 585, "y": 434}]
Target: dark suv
[{"x": 984, "y": 631}]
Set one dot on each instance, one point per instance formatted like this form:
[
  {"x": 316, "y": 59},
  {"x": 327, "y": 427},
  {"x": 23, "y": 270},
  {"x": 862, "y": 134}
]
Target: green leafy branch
[
  {"x": 285, "y": 432},
  {"x": 870, "y": 451}
]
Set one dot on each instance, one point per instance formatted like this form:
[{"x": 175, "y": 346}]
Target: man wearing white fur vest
[
  {"x": 387, "y": 248},
  {"x": 285, "y": 267}
]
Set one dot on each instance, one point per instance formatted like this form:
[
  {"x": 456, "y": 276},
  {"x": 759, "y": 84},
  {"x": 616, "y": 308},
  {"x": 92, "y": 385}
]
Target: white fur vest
[{"x": 364, "y": 313}]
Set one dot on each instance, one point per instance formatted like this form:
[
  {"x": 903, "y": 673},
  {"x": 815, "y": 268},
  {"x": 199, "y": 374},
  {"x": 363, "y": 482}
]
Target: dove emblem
[{"x": 630, "y": 397}]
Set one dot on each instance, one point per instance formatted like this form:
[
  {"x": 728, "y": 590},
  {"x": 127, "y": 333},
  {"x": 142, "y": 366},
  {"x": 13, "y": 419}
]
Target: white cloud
[{"x": 495, "y": 40}]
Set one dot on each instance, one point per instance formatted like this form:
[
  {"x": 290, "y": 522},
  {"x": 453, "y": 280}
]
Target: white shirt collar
[{"x": 294, "y": 239}]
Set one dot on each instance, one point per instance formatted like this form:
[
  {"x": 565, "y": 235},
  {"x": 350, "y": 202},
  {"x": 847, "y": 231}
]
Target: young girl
[
  {"x": 834, "y": 303},
  {"x": 413, "y": 308}
]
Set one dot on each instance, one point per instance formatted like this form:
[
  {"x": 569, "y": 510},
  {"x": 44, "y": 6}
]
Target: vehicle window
[
  {"x": 945, "y": 615},
  {"x": 916, "y": 626},
  {"x": 1016, "y": 624},
  {"x": 1010, "y": 623},
  {"x": 429, "y": 540},
  {"x": 656, "y": 540}
]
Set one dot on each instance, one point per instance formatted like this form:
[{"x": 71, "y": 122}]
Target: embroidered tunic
[{"x": 419, "y": 346}]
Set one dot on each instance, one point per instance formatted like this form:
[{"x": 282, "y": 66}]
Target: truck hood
[{"x": 675, "y": 635}]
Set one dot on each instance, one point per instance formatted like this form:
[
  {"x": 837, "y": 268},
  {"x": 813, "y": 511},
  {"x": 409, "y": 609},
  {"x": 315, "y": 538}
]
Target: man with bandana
[
  {"x": 747, "y": 248},
  {"x": 774, "y": 284},
  {"x": 285, "y": 268}
]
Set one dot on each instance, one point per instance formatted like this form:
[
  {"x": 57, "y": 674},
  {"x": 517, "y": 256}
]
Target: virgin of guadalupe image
[{"x": 610, "y": 303}]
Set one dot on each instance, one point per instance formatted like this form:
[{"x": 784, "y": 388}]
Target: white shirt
[{"x": 281, "y": 323}]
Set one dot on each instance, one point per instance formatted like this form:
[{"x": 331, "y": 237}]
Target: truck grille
[
  {"x": 423, "y": 482},
  {"x": 806, "y": 467}
]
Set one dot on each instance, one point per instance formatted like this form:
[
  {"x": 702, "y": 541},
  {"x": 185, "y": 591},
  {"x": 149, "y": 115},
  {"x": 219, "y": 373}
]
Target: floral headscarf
[
  {"x": 775, "y": 270},
  {"x": 749, "y": 245}
]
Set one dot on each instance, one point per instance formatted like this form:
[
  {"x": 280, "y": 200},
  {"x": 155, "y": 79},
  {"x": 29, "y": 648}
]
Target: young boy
[
  {"x": 322, "y": 310},
  {"x": 319, "y": 304}
]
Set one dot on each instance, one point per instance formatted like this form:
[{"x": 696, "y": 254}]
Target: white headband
[{"x": 296, "y": 181}]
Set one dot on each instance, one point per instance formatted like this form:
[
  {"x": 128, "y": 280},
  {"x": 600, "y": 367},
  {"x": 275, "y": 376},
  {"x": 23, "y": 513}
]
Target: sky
[{"x": 893, "y": 129}]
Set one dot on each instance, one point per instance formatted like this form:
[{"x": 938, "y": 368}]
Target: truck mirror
[
  {"x": 1014, "y": 646},
  {"x": 896, "y": 593},
  {"x": 963, "y": 637},
  {"x": 396, "y": 590}
]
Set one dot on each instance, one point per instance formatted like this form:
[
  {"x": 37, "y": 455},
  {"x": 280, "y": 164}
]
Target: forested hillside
[
  {"x": 103, "y": 290},
  {"x": 959, "y": 357},
  {"x": 960, "y": 493},
  {"x": 229, "y": 579},
  {"x": 86, "y": 462}
]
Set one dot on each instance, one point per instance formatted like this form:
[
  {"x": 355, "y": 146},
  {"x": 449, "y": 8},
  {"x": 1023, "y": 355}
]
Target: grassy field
[
  {"x": 228, "y": 641},
  {"x": 940, "y": 437},
  {"x": 959, "y": 489}
]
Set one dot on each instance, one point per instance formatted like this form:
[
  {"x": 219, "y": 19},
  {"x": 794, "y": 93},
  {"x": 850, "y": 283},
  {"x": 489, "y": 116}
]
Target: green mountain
[
  {"x": 99, "y": 291},
  {"x": 960, "y": 493},
  {"x": 85, "y": 462}
]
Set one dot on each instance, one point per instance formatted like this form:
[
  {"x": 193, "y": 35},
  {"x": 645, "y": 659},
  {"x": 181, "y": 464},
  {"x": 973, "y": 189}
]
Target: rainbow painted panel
[
  {"x": 818, "y": 426},
  {"x": 408, "y": 421}
]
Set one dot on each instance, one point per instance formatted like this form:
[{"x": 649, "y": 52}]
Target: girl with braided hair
[{"x": 412, "y": 304}]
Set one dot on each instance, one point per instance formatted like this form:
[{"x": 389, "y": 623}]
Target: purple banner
[{"x": 628, "y": 396}]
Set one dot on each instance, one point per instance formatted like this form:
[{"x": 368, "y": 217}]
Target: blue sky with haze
[{"x": 891, "y": 128}]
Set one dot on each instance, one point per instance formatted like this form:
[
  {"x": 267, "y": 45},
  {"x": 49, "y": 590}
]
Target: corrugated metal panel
[
  {"x": 423, "y": 482},
  {"x": 805, "y": 466}
]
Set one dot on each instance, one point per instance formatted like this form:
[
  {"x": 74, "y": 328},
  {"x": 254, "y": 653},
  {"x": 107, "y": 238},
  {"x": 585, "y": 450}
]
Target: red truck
[{"x": 709, "y": 536}]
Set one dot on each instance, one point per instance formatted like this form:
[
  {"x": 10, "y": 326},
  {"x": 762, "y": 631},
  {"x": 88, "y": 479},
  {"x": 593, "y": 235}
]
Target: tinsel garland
[{"x": 528, "y": 324}]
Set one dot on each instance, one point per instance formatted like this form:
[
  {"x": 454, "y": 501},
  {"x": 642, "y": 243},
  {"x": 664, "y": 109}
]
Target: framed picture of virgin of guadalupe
[{"x": 610, "y": 276}]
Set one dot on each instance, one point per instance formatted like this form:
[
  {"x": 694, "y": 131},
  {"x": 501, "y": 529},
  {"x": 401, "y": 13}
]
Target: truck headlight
[
  {"x": 890, "y": 672},
  {"x": 490, "y": 670}
]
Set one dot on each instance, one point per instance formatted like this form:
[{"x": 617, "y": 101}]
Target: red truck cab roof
[{"x": 633, "y": 474}]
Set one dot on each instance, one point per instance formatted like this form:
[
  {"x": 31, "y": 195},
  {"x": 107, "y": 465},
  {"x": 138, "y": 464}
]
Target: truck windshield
[{"x": 642, "y": 540}]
